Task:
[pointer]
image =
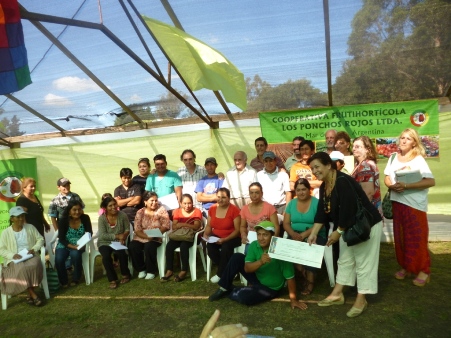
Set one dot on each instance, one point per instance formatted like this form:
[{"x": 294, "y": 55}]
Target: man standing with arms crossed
[
  {"x": 208, "y": 186},
  {"x": 128, "y": 195}
]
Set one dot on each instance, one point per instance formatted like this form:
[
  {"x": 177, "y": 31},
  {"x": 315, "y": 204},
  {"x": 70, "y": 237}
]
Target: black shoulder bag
[{"x": 360, "y": 231}]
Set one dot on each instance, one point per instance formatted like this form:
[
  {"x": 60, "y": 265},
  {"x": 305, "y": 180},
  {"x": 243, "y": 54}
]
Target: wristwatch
[{"x": 340, "y": 231}]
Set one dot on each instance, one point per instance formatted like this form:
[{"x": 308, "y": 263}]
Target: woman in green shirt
[{"x": 298, "y": 221}]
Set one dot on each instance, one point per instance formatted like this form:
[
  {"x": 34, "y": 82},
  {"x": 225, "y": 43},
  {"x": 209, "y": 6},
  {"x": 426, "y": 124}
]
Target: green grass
[{"x": 154, "y": 309}]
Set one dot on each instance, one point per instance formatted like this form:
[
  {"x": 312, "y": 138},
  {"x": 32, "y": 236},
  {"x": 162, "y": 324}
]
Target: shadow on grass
[{"x": 153, "y": 309}]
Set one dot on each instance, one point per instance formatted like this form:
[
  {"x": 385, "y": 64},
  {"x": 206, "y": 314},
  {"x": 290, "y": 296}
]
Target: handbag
[
  {"x": 52, "y": 278},
  {"x": 182, "y": 235},
  {"x": 360, "y": 231},
  {"x": 387, "y": 207}
]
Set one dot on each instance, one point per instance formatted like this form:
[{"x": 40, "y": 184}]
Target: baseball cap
[
  {"x": 62, "y": 181},
  {"x": 211, "y": 160},
  {"x": 16, "y": 211},
  {"x": 337, "y": 155},
  {"x": 269, "y": 154},
  {"x": 265, "y": 225}
]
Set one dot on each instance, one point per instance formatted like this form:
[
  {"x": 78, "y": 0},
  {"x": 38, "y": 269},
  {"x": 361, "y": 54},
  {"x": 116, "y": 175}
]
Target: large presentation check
[{"x": 296, "y": 252}]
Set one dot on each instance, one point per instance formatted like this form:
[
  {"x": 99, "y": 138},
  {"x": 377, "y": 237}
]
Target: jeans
[
  {"x": 252, "y": 294},
  {"x": 61, "y": 256}
]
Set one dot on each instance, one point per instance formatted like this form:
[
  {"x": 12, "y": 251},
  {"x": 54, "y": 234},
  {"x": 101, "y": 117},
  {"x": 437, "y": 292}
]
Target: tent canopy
[{"x": 94, "y": 64}]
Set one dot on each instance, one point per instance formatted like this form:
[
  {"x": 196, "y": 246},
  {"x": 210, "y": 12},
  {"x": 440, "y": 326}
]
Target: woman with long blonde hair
[{"x": 410, "y": 223}]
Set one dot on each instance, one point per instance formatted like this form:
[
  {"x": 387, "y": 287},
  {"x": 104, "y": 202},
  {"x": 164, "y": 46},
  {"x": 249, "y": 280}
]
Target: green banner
[
  {"x": 12, "y": 173},
  {"x": 378, "y": 120}
]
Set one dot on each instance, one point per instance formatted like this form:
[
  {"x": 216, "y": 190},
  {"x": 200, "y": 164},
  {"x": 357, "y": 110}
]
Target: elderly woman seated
[{"x": 17, "y": 241}]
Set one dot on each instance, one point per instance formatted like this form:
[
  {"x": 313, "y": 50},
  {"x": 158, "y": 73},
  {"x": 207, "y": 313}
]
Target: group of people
[{"x": 302, "y": 197}]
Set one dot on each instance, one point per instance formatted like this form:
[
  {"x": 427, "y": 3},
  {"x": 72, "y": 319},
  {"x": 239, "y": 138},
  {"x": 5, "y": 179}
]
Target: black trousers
[
  {"x": 184, "y": 254},
  {"x": 252, "y": 294},
  {"x": 139, "y": 250},
  {"x": 221, "y": 253},
  {"x": 107, "y": 260}
]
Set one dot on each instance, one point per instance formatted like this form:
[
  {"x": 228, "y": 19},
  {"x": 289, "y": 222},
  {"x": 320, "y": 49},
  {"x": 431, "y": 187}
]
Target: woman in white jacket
[{"x": 25, "y": 275}]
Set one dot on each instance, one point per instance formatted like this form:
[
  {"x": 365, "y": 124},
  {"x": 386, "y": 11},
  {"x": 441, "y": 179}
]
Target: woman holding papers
[
  {"x": 71, "y": 227},
  {"x": 113, "y": 227},
  {"x": 409, "y": 197},
  {"x": 338, "y": 203},
  {"x": 366, "y": 171},
  {"x": 16, "y": 242},
  {"x": 187, "y": 217},
  {"x": 152, "y": 216},
  {"x": 257, "y": 211},
  {"x": 223, "y": 223},
  {"x": 298, "y": 222}
]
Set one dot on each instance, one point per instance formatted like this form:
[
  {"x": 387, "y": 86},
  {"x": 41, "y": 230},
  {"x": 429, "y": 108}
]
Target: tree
[
  {"x": 255, "y": 88},
  {"x": 400, "y": 51},
  {"x": 289, "y": 95},
  {"x": 142, "y": 111},
  {"x": 11, "y": 127},
  {"x": 169, "y": 106}
]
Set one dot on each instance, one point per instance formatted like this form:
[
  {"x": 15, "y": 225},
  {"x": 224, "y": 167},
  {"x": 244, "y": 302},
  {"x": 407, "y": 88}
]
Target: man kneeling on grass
[{"x": 265, "y": 276}]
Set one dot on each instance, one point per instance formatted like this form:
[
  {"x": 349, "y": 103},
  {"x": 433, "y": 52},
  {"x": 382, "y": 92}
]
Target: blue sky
[{"x": 278, "y": 40}]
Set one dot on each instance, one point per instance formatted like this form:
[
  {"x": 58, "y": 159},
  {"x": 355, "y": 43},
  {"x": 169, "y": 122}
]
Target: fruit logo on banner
[
  {"x": 381, "y": 122},
  {"x": 12, "y": 173}
]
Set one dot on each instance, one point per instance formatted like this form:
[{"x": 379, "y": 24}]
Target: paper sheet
[
  {"x": 169, "y": 202},
  {"x": 251, "y": 236},
  {"x": 211, "y": 239},
  {"x": 83, "y": 240},
  {"x": 25, "y": 256},
  {"x": 153, "y": 233},
  {"x": 118, "y": 246},
  {"x": 296, "y": 252}
]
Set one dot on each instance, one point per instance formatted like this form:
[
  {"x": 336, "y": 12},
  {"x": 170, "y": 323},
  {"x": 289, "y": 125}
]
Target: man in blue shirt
[{"x": 208, "y": 186}]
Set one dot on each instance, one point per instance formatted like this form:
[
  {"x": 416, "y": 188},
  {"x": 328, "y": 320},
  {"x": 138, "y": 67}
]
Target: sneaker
[
  {"x": 215, "y": 279},
  {"x": 220, "y": 293},
  {"x": 150, "y": 276},
  {"x": 142, "y": 274}
]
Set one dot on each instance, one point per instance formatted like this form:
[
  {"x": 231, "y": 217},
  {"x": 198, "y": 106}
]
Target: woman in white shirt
[
  {"x": 25, "y": 275},
  {"x": 410, "y": 224}
]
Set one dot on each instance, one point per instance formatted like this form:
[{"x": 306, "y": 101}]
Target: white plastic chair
[
  {"x": 238, "y": 249},
  {"x": 84, "y": 257},
  {"x": 44, "y": 284},
  {"x": 197, "y": 245},
  {"x": 193, "y": 257},
  {"x": 93, "y": 254},
  {"x": 161, "y": 255},
  {"x": 329, "y": 260}
]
